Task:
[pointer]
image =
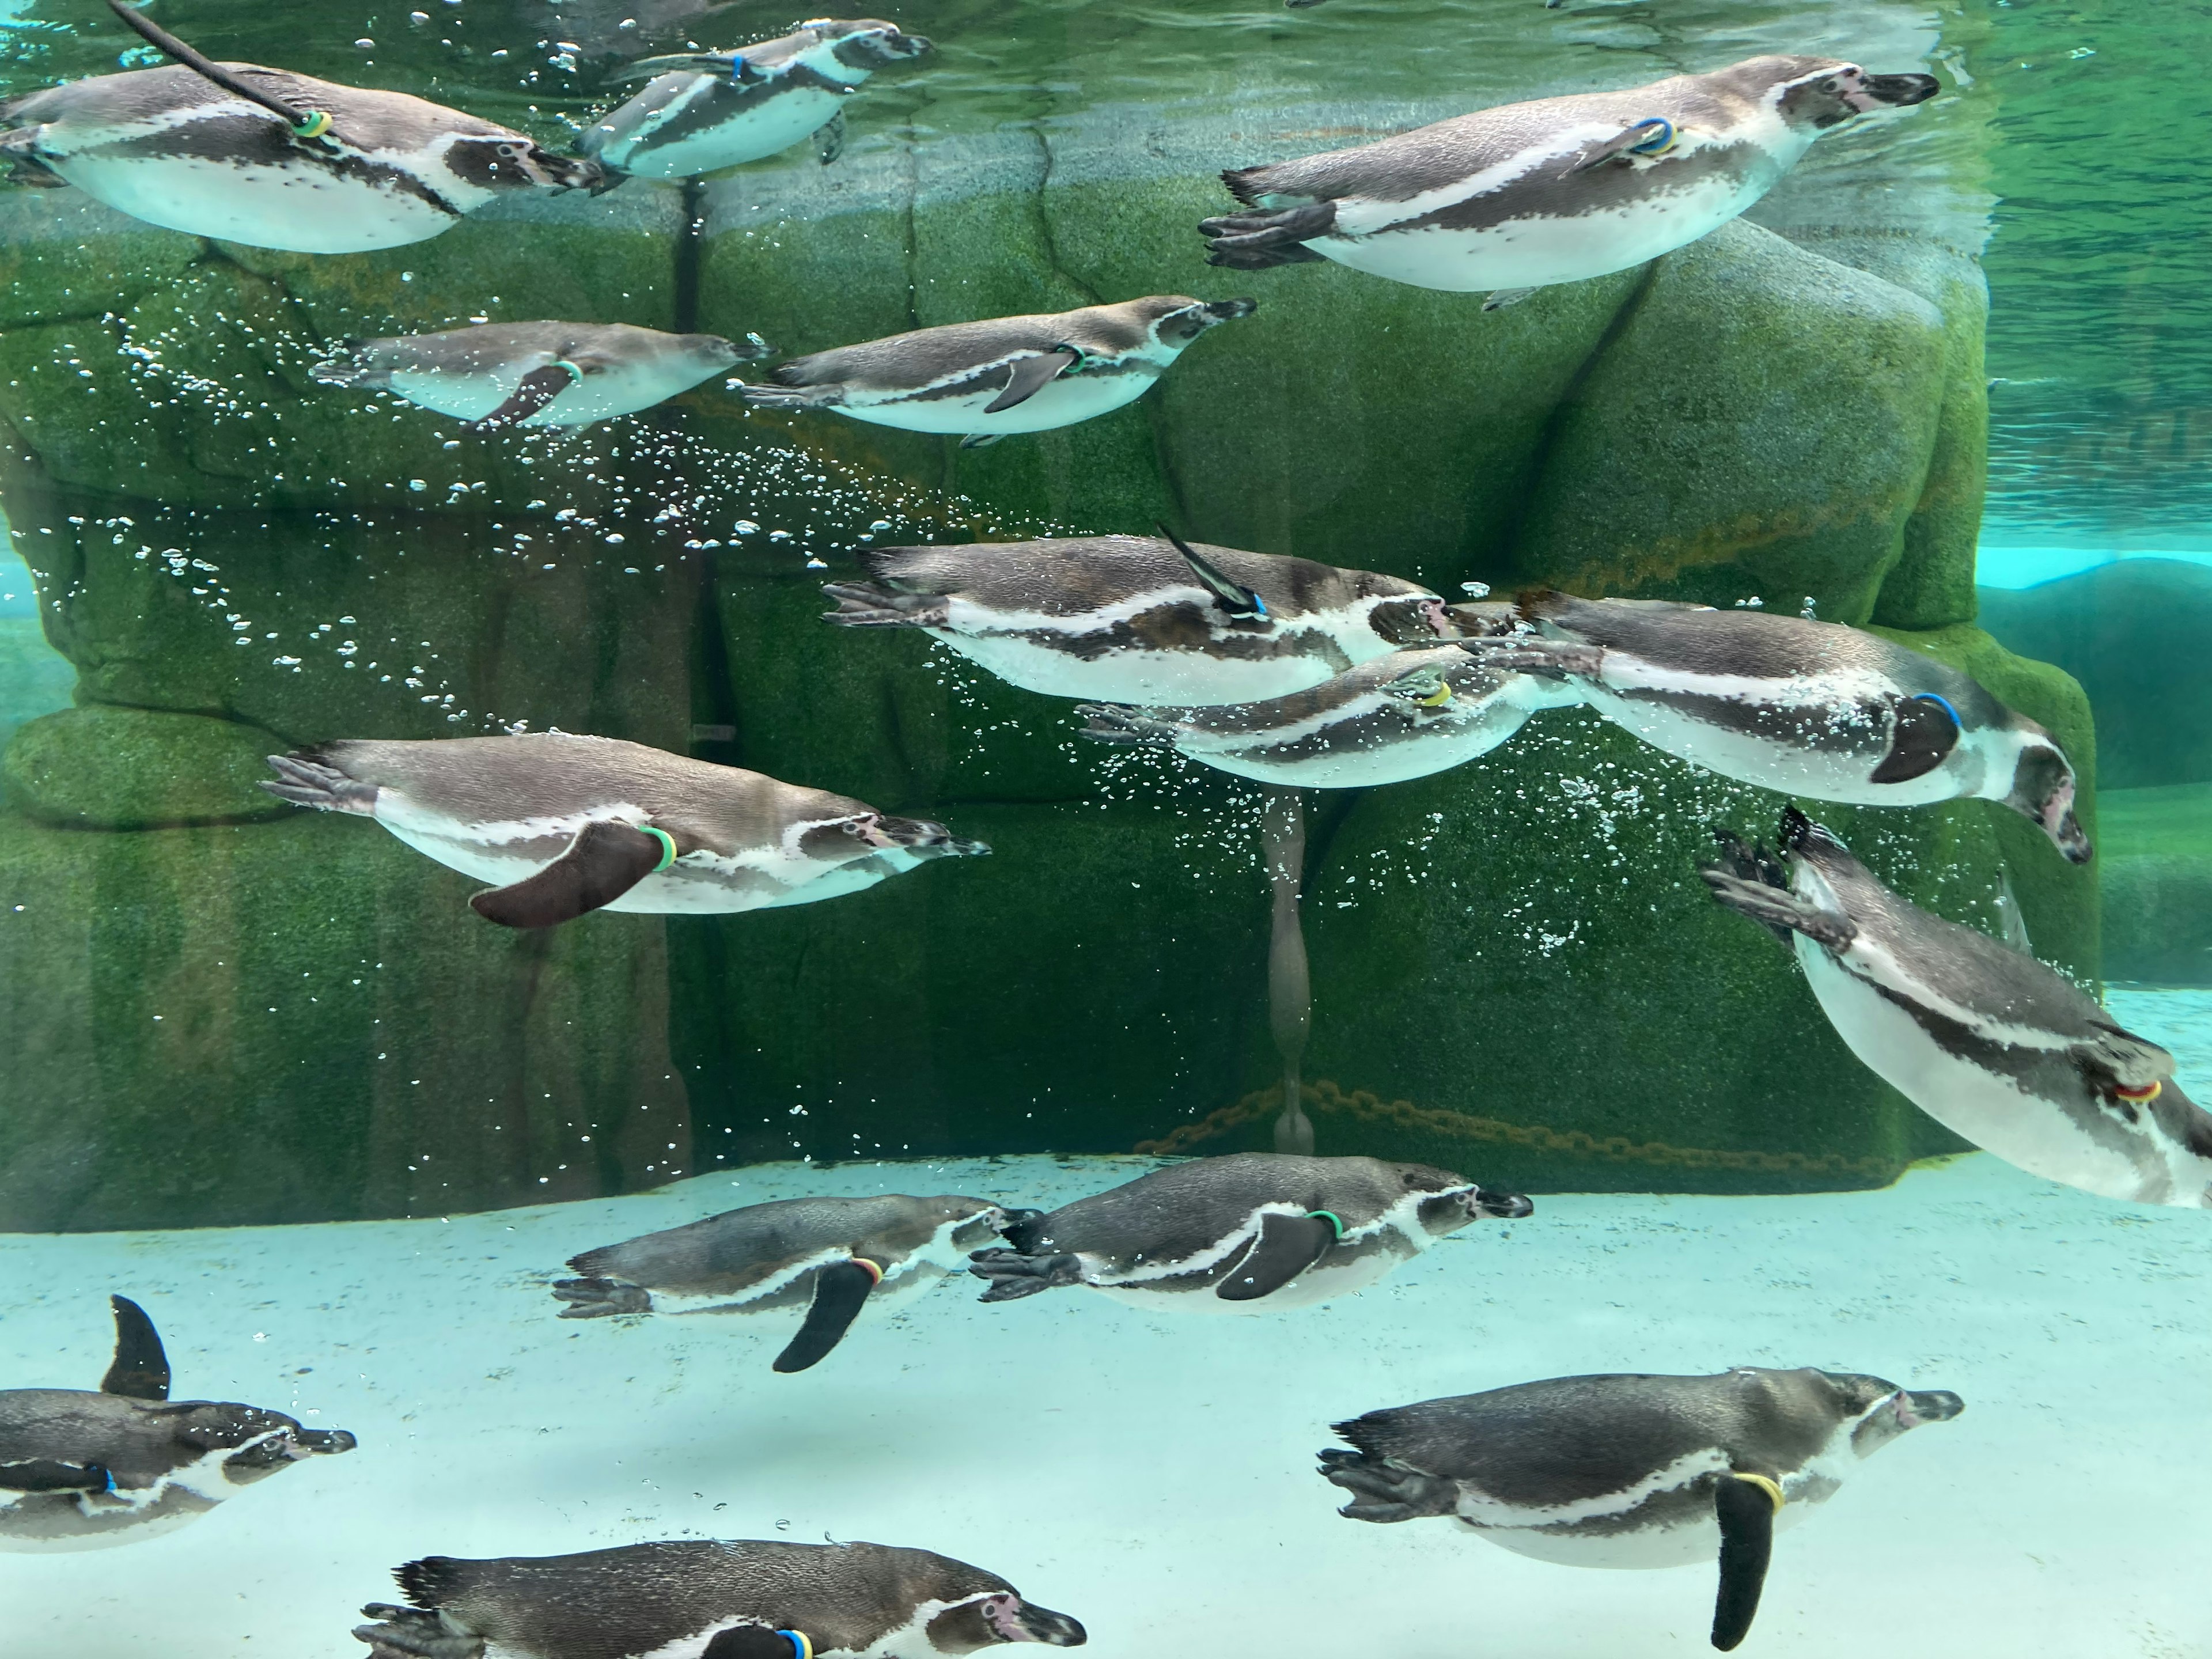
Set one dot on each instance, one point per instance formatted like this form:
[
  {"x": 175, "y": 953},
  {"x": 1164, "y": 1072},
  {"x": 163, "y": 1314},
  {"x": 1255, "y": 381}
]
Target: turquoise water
[{"x": 1136, "y": 873}]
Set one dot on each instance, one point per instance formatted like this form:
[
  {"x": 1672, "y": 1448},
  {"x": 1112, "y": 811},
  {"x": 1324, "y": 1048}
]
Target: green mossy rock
[
  {"x": 103, "y": 768},
  {"x": 2157, "y": 882},
  {"x": 1096, "y": 980},
  {"x": 1524, "y": 940},
  {"x": 1759, "y": 423},
  {"x": 303, "y": 1021}
]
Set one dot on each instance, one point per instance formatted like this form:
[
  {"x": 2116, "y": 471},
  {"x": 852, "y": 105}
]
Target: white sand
[{"x": 1153, "y": 1474}]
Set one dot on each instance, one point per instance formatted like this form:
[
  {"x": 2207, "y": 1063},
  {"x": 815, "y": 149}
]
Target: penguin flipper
[
  {"x": 1745, "y": 1510},
  {"x": 140, "y": 1370},
  {"x": 413, "y": 1633},
  {"x": 1030, "y": 375},
  {"x": 830, "y": 144},
  {"x": 1925, "y": 733},
  {"x": 1652, "y": 136},
  {"x": 1233, "y": 597},
  {"x": 839, "y": 1288},
  {"x": 49, "y": 1475},
  {"x": 538, "y": 388},
  {"x": 751, "y": 1642},
  {"x": 604, "y": 861},
  {"x": 1783, "y": 912},
  {"x": 1286, "y": 1247}
]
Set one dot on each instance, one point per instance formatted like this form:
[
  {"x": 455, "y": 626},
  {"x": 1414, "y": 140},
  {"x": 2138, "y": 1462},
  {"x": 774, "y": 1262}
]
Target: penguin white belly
[
  {"x": 1315, "y": 1286},
  {"x": 599, "y": 396},
  {"x": 1064, "y": 402},
  {"x": 302, "y": 209},
  {"x": 1642, "y": 1548},
  {"x": 2025, "y": 1130},
  {"x": 1748, "y": 757},
  {"x": 700, "y": 884},
  {"x": 1417, "y": 754},
  {"x": 777, "y": 124},
  {"x": 100, "y": 1529},
  {"x": 1191, "y": 678},
  {"x": 1535, "y": 252}
]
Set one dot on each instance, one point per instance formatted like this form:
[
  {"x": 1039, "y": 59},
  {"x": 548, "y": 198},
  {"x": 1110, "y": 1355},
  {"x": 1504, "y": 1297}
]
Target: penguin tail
[
  {"x": 1118, "y": 723},
  {"x": 1245, "y": 183},
  {"x": 864, "y": 604},
  {"x": 435, "y": 1580},
  {"x": 304, "y": 780}
]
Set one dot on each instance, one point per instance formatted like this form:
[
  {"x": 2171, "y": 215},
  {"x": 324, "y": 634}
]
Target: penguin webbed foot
[
  {"x": 1383, "y": 1490},
  {"x": 981, "y": 440},
  {"x": 1013, "y": 1275},
  {"x": 864, "y": 605},
  {"x": 413, "y": 1633},
  {"x": 1547, "y": 658},
  {"x": 1119, "y": 723},
  {"x": 1254, "y": 241},
  {"x": 1783, "y": 913},
  {"x": 829, "y": 138},
  {"x": 601, "y": 1299},
  {"x": 761, "y": 396},
  {"x": 1499, "y": 298},
  {"x": 306, "y": 782},
  {"x": 25, "y": 169}
]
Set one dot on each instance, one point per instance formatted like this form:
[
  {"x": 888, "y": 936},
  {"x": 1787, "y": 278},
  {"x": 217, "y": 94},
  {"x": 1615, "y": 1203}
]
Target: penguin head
[
  {"x": 1449, "y": 1201},
  {"x": 986, "y": 1621},
  {"x": 1817, "y": 93},
  {"x": 2042, "y": 789},
  {"x": 720, "y": 353},
  {"x": 866, "y": 44},
  {"x": 259, "y": 1442},
  {"x": 509, "y": 161},
  {"x": 1409, "y": 617},
  {"x": 1174, "y": 320},
  {"x": 1879, "y": 1410}
]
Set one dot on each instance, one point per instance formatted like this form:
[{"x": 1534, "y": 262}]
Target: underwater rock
[
  {"x": 2134, "y": 634},
  {"x": 280, "y": 1022},
  {"x": 103, "y": 768},
  {"x": 2156, "y": 861}
]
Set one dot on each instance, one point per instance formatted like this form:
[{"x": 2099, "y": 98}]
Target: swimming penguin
[
  {"x": 1008, "y": 374},
  {"x": 81, "y": 1471},
  {"x": 1984, "y": 1038},
  {"x": 1132, "y": 619},
  {"x": 750, "y": 1599},
  {"x": 829, "y": 1256},
  {"x": 543, "y": 373},
  {"x": 1630, "y": 1470},
  {"x": 566, "y": 824},
  {"x": 1224, "y": 1234},
  {"x": 1417, "y": 711},
  {"x": 1801, "y": 706},
  {"x": 704, "y": 111},
  {"x": 269, "y": 158},
  {"x": 1556, "y": 190}
]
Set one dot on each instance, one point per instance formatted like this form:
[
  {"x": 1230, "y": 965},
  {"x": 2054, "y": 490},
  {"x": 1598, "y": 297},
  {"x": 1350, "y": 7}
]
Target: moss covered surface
[
  {"x": 105, "y": 768},
  {"x": 2157, "y": 882}
]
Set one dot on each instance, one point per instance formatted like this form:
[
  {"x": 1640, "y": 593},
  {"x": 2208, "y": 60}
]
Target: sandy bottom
[{"x": 1153, "y": 1475}]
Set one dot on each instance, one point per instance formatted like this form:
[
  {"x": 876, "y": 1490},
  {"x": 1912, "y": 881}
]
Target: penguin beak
[
  {"x": 909, "y": 46},
  {"x": 1506, "y": 1207},
  {"x": 569, "y": 172},
  {"x": 2066, "y": 831},
  {"x": 322, "y": 1443},
  {"x": 1036, "y": 1623},
  {"x": 1930, "y": 1406},
  {"x": 1893, "y": 91},
  {"x": 1228, "y": 311}
]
